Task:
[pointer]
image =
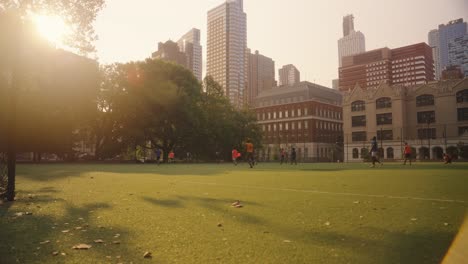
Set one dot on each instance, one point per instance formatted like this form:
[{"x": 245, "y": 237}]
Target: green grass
[{"x": 313, "y": 213}]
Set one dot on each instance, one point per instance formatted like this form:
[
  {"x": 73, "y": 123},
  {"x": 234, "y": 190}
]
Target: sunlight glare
[{"x": 52, "y": 28}]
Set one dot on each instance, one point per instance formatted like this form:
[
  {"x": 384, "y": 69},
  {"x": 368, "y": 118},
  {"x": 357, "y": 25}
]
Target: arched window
[
  {"x": 390, "y": 154},
  {"x": 384, "y": 102},
  {"x": 425, "y": 100},
  {"x": 357, "y": 106},
  {"x": 355, "y": 153},
  {"x": 462, "y": 96}
]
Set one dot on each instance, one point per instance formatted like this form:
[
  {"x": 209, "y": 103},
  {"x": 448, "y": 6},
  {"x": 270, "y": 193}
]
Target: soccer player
[
  {"x": 158, "y": 155},
  {"x": 293, "y": 156},
  {"x": 407, "y": 153},
  {"x": 447, "y": 158},
  {"x": 374, "y": 152},
  {"x": 171, "y": 156},
  {"x": 234, "y": 156},
  {"x": 250, "y": 149},
  {"x": 282, "y": 155}
]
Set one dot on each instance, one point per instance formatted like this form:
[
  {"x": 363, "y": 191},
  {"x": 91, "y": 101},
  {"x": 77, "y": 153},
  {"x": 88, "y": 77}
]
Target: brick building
[
  {"x": 409, "y": 65},
  {"x": 306, "y": 116}
]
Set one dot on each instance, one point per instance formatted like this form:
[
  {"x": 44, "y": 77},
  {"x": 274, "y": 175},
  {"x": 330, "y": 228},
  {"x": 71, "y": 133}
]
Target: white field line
[{"x": 329, "y": 193}]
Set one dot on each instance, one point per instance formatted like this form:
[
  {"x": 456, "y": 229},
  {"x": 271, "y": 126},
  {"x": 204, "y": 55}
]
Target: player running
[
  {"x": 235, "y": 155},
  {"x": 374, "y": 152},
  {"x": 250, "y": 151}
]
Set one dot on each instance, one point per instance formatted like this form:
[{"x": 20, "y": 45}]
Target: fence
[{"x": 428, "y": 142}]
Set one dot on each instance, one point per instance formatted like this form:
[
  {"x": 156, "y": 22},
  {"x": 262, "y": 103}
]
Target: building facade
[
  {"x": 261, "y": 75},
  {"x": 190, "y": 45},
  {"x": 289, "y": 75},
  {"x": 352, "y": 42},
  {"x": 445, "y": 33},
  {"x": 169, "y": 51},
  {"x": 432, "y": 118},
  {"x": 458, "y": 53},
  {"x": 227, "y": 49},
  {"x": 409, "y": 65},
  {"x": 305, "y": 116}
]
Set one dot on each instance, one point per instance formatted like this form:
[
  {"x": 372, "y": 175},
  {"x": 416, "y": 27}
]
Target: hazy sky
[{"x": 301, "y": 32}]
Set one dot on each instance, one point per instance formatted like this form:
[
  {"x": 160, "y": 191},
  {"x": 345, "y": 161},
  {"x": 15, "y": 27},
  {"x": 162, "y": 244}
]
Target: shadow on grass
[
  {"x": 424, "y": 246},
  {"x": 165, "y": 202},
  {"x": 34, "y": 238}
]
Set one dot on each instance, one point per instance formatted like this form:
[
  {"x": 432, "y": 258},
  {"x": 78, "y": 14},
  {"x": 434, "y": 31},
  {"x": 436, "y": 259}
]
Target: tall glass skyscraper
[{"x": 227, "y": 49}]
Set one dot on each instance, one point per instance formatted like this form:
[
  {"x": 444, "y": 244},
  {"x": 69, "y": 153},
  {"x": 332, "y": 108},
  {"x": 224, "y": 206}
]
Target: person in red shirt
[
  {"x": 235, "y": 155},
  {"x": 171, "y": 156},
  {"x": 407, "y": 153}
]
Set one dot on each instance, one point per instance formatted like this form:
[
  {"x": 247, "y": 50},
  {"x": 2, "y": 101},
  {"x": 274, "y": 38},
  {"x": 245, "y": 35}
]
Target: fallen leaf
[
  {"x": 44, "y": 242},
  {"x": 220, "y": 225},
  {"x": 19, "y": 214},
  {"x": 99, "y": 241},
  {"x": 356, "y": 202},
  {"x": 82, "y": 246},
  {"x": 116, "y": 242},
  {"x": 327, "y": 223},
  {"x": 446, "y": 224},
  {"x": 147, "y": 255},
  {"x": 28, "y": 213},
  {"x": 117, "y": 236},
  {"x": 65, "y": 231},
  {"x": 55, "y": 253},
  {"x": 63, "y": 254},
  {"x": 239, "y": 206},
  {"x": 78, "y": 228},
  {"x": 236, "y": 203},
  {"x": 287, "y": 241},
  {"x": 109, "y": 257},
  {"x": 414, "y": 219}
]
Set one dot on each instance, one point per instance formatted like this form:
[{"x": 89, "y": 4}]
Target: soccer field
[{"x": 309, "y": 213}]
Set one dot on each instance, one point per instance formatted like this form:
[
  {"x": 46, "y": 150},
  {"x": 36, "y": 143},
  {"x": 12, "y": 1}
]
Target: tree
[{"x": 24, "y": 55}]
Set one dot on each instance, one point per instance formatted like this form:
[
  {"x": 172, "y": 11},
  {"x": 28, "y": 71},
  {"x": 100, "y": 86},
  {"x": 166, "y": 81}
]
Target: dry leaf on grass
[
  {"x": 44, "y": 242},
  {"x": 65, "y": 231},
  {"x": 287, "y": 241},
  {"x": 82, "y": 246},
  {"x": 116, "y": 242},
  {"x": 55, "y": 253},
  {"x": 147, "y": 255},
  {"x": 99, "y": 241}
]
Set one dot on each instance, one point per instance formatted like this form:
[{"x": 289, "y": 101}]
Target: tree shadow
[
  {"x": 34, "y": 238},
  {"x": 164, "y": 203}
]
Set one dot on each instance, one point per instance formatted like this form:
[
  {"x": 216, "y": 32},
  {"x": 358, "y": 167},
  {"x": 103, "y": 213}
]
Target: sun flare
[{"x": 52, "y": 28}]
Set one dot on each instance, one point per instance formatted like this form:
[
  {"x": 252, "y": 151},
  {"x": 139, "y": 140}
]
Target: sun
[{"x": 52, "y": 28}]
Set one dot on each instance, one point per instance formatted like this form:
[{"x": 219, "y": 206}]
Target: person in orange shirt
[
  {"x": 250, "y": 152},
  {"x": 235, "y": 156},
  {"x": 407, "y": 153}
]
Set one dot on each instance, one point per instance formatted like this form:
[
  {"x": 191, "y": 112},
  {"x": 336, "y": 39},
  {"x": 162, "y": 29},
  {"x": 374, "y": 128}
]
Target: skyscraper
[
  {"x": 190, "y": 45},
  {"x": 261, "y": 75},
  {"x": 348, "y": 25},
  {"x": 434, "y": 43},
  {"x": 458, "y": 53},
  {"x": 352, "y": 42},
  {"x": 446, "y": 32},
  {"x": 289, "y": 75},
  {"x": 227, "y": 49}
]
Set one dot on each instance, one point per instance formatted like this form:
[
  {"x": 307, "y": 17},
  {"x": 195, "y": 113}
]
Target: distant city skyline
[{"x": 307, "y": 38}]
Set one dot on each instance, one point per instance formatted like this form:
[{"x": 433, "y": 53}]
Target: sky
[{"x": 300, "y": 32}]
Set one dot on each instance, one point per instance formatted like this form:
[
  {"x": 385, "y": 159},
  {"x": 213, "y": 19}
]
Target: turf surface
[{"x": 310, "y": 213}]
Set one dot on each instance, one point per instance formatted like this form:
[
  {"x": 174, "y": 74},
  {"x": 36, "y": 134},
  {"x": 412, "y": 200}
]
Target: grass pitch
[{"x": 309, "y": 213}]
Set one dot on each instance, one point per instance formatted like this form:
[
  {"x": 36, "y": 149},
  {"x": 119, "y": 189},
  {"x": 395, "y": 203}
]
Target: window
[
  {"x": 358, "y": 106},
  {"x": 385, "y": 134},
  {"x": 299, "y": 125},
  {"x": 390, "y": 154},
  {"x": 462, "y": 96},
  {"x": 274, "y": 127},
  {"x": 280, "y": 127},
  {"x": 306, "y": 124},
  {"x": 425, "y": 100},
  {"x": 384, "y": 119},
  {"x": 463, "y": 114},
  {"x": 426, "y": 117},
  {"x": 425, "y": 133},
  {"x": 274, "y": 115},
  {"x": 358, "y": 121},
  {"x": 384, "y": 102},
  {"x": 281, "y": 114},
  {"x": 306, "y": 111},
  {"x": 359, "y": 136},
  {"x": 293, "y": 126},
  {"x": 286, "y": 113},
  {"x": 298, "y": 112},
  {"x": 463, "y": 131},
  {"x": 286, "y": 126}
]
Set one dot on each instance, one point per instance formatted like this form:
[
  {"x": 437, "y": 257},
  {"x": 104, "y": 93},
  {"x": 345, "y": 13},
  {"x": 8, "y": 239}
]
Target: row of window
[
  {"x": 292, "y": 113},
  {"x": 422, "y": 133},
  {"x": 422, "y": 100},
  {"x": 299, "y": 125},
  {"x": 382, "y": 119}
]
